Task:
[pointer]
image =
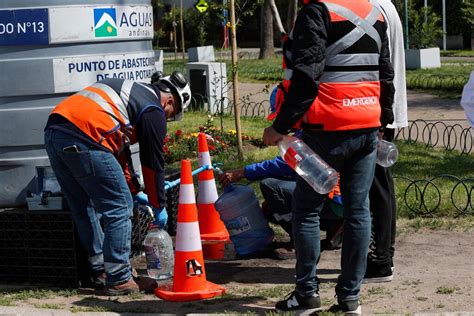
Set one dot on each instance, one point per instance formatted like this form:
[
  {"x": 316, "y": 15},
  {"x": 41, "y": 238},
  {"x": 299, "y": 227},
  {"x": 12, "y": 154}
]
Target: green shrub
[{"x": 423, "y": 34}]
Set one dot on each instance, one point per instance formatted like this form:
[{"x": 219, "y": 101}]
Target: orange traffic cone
[
  {"x": 189, "y": 282},
  {"x": 214, "y": 250},
  {"x": 210, "y": 224}
]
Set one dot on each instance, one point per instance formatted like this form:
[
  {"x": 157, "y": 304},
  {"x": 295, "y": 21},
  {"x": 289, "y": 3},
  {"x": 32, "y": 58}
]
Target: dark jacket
[{"x": 310, "y": 38}]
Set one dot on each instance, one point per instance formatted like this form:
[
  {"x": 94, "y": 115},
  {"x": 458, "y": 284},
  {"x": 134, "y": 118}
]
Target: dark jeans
[
  {"x": 384, "y": 212},
  {"x": 93, "y": 183},
  {"x": 278, "y": 198},
  {"x": 353, "y": 154},
  {"x": 278, "y": 195}
]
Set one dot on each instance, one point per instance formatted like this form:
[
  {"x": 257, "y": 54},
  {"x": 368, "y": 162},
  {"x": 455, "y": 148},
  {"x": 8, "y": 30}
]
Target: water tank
[{"x": 49, "y": 49}]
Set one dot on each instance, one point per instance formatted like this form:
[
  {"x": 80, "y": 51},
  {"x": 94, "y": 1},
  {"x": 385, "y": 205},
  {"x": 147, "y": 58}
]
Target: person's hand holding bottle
[
  {"x": 160, "y": 214},
  {"x": 161, "y": 217}
]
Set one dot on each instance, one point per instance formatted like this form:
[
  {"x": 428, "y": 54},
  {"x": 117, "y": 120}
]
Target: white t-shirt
[
  {"x": 467, "y": 99},
  {"x": 397, "y": 56}
]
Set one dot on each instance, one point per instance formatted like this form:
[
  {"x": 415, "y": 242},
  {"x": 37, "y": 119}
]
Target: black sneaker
[
  {"x": 350, "y": 307},
  {"x": 375, "y": 274},
  {"x": 299, "y": 304}
]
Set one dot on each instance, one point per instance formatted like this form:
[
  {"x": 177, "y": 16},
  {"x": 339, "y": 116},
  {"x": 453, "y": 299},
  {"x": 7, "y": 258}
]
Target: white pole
[{"x": 444, "y": 24}]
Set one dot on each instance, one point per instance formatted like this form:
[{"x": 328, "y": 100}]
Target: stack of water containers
[{"x": 240, "y": 211}]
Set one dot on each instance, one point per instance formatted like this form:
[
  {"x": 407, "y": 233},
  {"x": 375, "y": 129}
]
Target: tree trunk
[
  {"x": 182, "y": 29},
  {"x": 292, "y": 12},
  {"x": 276, "y": 17},
  {"x": 266, "y": 31}
]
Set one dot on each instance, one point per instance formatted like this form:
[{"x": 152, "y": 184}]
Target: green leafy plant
[
  {"x": 447, "y": 290},
  {"x": 468, "y": 11},
  {"x": 424, "y": 27},
  {"x": 157, "y": 36},
  {"x": 196, "y": 27}
]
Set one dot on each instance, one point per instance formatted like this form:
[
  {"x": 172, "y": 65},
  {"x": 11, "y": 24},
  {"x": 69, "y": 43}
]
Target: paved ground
[{"x": 433, "y": 276}]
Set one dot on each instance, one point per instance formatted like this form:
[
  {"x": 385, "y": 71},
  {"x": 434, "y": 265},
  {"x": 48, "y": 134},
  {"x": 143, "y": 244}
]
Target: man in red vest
[
  {"x": 340, "y": 94},
  {"x": 87, "y": 138}
]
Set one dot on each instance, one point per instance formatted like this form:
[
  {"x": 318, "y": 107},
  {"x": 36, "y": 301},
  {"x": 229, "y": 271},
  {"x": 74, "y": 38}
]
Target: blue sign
[{"x": 24, "y": 27}]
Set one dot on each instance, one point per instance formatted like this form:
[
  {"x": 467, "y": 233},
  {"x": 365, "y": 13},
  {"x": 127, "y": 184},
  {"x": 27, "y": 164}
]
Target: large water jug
[
  {"x": 240, "y": 211},
  {"x": 158, "y": 247}
]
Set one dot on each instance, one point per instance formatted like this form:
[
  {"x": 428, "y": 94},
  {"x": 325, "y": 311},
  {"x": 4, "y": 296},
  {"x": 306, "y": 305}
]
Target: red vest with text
[{"x": 349, "y": 87}]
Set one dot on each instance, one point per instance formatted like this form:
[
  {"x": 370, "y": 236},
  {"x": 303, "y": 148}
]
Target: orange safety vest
[
  {"x": 282, "y": 91},
  {"x": 348, "y": 99},
  {"x": 105, "y": 110}
]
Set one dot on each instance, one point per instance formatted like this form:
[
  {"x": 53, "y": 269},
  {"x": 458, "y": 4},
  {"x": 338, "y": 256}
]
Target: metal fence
[
  {"x": 248, "y": 107},
  {"x": 448, "y": 134},
  {"x": 443, "y": 195}
]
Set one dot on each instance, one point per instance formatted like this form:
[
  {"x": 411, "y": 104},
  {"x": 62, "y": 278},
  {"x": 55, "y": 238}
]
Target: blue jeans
[
  {"x": 93, "y": 183},
  {"x": 353, "y": 155}
]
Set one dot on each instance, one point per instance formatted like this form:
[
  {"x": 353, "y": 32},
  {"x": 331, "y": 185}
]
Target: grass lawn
[
  {"x": 441, "y": 193},
  {"x": 446, "y": 81},
  {"x": 457, "y": 53}
]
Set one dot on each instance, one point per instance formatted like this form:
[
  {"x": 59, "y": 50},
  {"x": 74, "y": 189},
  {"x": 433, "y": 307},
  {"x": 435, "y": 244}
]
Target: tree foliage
[
  {"x": 468, "y": 15},
  {"x": 423, "y": 34},
  {"x": 459, "y": 13}
]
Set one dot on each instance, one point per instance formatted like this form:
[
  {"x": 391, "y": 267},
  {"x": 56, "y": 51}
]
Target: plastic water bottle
[
  {"x": 387, "y": 153},
  {"x": 158, "y": 248},
  {"x": 319, "y": 175}
]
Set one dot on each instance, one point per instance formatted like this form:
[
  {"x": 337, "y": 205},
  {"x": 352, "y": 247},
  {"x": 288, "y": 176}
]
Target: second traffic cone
[
  {"x": 189, "y": 282},
  {"x": 211, "y": 226},
  {"x": 214, "y": 250}
]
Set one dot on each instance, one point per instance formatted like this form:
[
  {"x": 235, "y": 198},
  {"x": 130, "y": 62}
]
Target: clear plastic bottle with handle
[
  {"x": 387, "y": 153},
  {"x": 319, "y": 175},
  {"x": 158, "y": 247}
]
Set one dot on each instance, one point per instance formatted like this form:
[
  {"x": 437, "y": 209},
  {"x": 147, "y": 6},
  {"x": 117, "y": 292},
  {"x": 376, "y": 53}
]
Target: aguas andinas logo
[
  {"x": 132, "y": 22},
  {"x": 105, "y": 22}
]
